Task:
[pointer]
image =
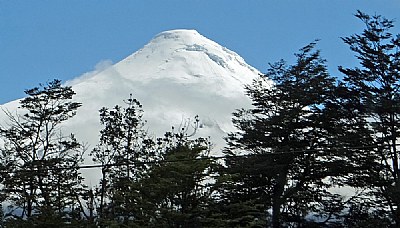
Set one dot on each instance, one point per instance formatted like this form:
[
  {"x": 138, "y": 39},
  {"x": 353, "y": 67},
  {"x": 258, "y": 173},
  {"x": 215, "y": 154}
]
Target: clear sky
[{"x": 45, "y": 39}]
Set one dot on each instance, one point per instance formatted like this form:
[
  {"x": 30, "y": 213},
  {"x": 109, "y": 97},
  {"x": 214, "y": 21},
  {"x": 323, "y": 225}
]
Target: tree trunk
[
  {"x": 277, "y": 199},
  {"x": 103, "y": 189}
]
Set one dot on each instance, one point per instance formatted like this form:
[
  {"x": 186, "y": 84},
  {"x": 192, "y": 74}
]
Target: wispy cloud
[{"x": 99, "y": 67}]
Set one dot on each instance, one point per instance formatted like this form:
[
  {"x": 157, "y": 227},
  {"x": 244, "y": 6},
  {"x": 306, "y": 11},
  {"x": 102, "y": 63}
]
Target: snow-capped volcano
[{"x": 179, "y": 74}]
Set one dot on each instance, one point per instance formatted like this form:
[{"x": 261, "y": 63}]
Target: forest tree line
[{"x": 307, "y": 134}]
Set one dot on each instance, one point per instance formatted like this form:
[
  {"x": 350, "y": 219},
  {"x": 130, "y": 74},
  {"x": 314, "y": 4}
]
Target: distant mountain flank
[{"x": 179, "y": 74}]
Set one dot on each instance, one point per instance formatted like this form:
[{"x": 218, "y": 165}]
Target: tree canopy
[{"x": 307, "y": 136}]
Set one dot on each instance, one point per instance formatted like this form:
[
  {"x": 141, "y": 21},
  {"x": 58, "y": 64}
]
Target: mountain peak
[
  {"x": 179, "y": 34},
  {"x": 180, "y": 38},
  {"x": 179, "y": 74},
  {"x": 185, "y": 55}
]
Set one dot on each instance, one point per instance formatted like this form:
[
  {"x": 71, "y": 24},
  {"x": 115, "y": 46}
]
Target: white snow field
[
  {"x": 176, "y": 76},
  {"x": 179, "y": 74}
]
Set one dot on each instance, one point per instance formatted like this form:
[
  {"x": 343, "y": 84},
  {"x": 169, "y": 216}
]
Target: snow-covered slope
[
  {"x": 176, "y": 76},
  {"x": 179, "y": 74}
]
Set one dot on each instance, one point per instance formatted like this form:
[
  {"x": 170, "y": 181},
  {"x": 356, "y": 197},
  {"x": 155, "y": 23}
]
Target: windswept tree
[
  {"x": 178, "y": 189},
  {"x": 284, "y": 139},
  {"x": 123, "y": 151},
  {"x": 372, "y": 95},
  {"x": 41, "y": 179}
]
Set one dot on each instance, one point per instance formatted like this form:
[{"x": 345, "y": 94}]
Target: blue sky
[{"x": 45, "y": 39}]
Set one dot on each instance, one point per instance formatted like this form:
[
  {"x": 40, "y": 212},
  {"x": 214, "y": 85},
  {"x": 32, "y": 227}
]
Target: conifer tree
[
  {"x": 178, "y": 189},
  {"x": 41, "y": 178},
  {"x": 373, "y": 90},
  {"x": 285, "y": 139}
]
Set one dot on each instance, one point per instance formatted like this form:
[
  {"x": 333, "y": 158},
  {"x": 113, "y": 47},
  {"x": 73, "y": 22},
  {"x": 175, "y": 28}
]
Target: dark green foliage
[
  {"x": 178, "y": 189},
  {"x": 286, "y": 138},
  {"x": 168, "y": 183},
  {"x": 305, "y": 134},
  {"x": 373, "y": 91},
  {"x": 40, "y": 164},
  {"x": 244, "y": 186},
  {"x": 360, "y": 215},
  {"x": 124, "y": 152}
]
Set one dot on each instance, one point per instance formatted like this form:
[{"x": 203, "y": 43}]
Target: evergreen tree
[
  {"x": 285, "y": 138},
  {"x": 123, "y": 152},
  {"x": 40, "y": 164},
  {"x": 373, "y": 91},
  {"x": 178, "y": 190}
]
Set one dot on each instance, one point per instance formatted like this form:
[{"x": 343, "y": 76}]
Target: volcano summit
[{"x": 179, "y": 74}]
